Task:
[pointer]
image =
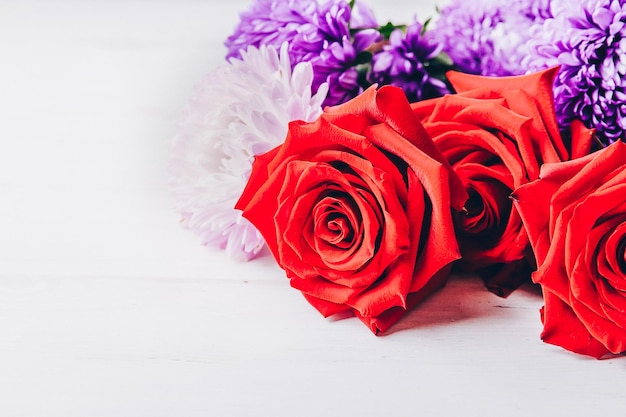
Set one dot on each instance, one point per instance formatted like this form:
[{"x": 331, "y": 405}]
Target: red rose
[
  {"x": 575, "y": 215},
  {"x": 356, "y": 208},
  {"x": 496, "y": 133}
]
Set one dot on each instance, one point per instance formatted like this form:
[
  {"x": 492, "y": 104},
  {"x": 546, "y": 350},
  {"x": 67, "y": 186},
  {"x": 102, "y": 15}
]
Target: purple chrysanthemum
[
  {"x": 317, "y": 32},
  {"x": 488, "y": 37},
  {"x": 587, "y": 39},
  {"x": 402, "y": 63},
  {"x": 336, "y": 66}
]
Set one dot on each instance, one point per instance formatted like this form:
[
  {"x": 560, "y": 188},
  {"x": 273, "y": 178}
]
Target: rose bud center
[
  {"x": 621, "y": 255},
  {"x": 332, "y": 223}
]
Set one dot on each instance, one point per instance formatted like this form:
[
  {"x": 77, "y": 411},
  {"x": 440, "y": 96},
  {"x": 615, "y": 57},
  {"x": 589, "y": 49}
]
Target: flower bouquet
[{"x": 372, "y": 159}]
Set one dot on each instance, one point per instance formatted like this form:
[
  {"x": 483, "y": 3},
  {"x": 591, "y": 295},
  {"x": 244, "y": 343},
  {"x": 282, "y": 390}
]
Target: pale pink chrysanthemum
[{"x": 239, "y": 110}]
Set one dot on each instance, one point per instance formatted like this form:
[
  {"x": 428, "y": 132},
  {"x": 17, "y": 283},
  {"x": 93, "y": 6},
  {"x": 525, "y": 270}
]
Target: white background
[{"x": 109, "y": 308}]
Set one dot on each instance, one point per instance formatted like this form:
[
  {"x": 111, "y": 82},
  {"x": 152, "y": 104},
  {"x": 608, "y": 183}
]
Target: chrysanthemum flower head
[
  {"x": 316, "y": 31},
  {"x": 402, "y": 62},
  {"x": 237, "y": 111},
  {"x": 587, "y": 39},
  {"x": 488, "y": 37}
]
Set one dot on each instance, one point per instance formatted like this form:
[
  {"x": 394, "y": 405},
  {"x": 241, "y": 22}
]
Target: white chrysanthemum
[{"x": 237, "y": 111}]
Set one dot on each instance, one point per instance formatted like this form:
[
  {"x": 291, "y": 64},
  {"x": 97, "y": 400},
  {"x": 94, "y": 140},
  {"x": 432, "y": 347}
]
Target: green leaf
[
  {"x": 441, "y": 60},
  {"x": 388, "y": 28},
  {"x": 363, "y": 58},
  {"x": 362, "y": 71},
  {"x": 425, "y": 25}
]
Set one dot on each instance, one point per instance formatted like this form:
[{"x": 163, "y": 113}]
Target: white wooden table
[{"x": 109, "y": 308}]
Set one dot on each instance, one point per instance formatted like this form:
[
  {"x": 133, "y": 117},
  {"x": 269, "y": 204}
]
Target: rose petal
[
  {"x": 313, "y": 180},
  {"x": 562, "y": 327},
  {"x": 537, "y": 85},
  {"x": 444, "y": 249},
  {"x": 382, "y": 322},
  {"x": 326, "y": 308},
  {"x": 392, "y": 288},
  {"x": 551, "y": 148},
  {"x": 581, "y": 139},
  {"x": 610, "y": 334},
  {"x": 391, "y": 109},
  {"x": 612, "y": 259}
]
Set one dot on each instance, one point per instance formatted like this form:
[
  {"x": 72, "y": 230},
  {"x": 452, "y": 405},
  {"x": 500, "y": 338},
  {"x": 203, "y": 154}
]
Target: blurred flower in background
[{"x": 487, "y": 37}]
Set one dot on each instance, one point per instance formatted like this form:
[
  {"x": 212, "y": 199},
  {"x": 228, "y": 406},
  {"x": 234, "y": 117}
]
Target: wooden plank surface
[{"x": 109, "y": 308}]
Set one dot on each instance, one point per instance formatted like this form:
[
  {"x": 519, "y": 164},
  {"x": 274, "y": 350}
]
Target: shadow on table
[{"x": 464, "y": 298}]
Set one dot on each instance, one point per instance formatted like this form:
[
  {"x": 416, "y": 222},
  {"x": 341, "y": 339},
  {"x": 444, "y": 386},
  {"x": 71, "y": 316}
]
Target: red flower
[
  {"x": 496, "y": 133},
  {"x": 575, "y": 215},
  {"x": 356, "y": 208}
]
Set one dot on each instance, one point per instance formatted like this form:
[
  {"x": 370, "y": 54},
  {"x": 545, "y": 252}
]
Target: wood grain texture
[{"x": 109, "y": 308}]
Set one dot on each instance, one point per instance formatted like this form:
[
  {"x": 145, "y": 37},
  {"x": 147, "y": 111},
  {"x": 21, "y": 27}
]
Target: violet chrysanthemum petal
[
  {"x": 488, "y": 37},
  {"x": 587, "y": 39},
  {"x": 402, "y": 63},
  {"x": 316, "y": 31}
]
